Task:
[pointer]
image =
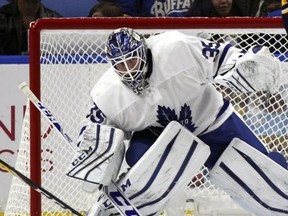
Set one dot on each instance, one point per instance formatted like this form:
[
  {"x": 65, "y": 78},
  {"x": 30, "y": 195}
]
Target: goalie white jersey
[
  {"x": 172, "y": 80},
  {"x": 179, "y": 89}
]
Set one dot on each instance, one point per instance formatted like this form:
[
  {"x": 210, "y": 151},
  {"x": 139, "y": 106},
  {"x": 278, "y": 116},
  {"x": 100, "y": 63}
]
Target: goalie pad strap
[{"x": 252, "y": 179}]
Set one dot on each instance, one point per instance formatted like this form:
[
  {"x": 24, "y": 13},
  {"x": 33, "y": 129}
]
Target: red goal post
[{"x": 58, "y": 72}]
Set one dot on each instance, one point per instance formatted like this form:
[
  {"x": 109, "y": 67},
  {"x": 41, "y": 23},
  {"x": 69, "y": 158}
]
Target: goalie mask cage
[{"x": 67, "y": 59}]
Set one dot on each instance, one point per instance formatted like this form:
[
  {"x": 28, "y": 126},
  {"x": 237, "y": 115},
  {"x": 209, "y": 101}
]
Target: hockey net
[{"x": 66, "y": 60}]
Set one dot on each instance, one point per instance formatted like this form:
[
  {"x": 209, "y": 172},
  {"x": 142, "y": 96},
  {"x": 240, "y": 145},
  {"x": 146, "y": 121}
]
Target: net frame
[{"x": 255, "y": 24}]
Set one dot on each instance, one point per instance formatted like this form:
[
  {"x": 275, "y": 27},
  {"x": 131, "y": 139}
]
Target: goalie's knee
[{"x": 139, "y": 144}]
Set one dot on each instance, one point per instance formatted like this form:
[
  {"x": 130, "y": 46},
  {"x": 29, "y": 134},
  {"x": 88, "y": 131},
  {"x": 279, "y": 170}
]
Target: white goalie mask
[{"x": 127, "y": 52}]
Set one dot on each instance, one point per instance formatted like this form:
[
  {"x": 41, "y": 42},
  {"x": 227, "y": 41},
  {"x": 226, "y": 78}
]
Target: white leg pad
[
  {"x": 253, "y": 180},
  {"x": 167, "y": 167}
]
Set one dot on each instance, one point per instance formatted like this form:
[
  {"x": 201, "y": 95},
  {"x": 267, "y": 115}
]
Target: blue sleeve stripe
[
  {"x": 225, "y": 106},
  {"x": 222, "y": 57}
]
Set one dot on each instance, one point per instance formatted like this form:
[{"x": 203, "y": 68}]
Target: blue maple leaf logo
[{"x": 166, "y": 115}]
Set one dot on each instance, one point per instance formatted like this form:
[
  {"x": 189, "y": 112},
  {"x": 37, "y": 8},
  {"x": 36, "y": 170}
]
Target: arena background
[{"x": 67, "y": 8}]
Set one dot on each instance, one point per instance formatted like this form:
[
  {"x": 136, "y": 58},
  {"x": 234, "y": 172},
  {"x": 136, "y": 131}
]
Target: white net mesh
[{"x": 72, "y": 62}]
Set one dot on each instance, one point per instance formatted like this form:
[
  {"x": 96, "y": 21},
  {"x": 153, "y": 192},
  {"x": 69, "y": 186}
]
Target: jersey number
[{"x": 210, "y": 50}]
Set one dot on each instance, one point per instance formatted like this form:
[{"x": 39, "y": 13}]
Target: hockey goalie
[{"x": 157, "y": 111}]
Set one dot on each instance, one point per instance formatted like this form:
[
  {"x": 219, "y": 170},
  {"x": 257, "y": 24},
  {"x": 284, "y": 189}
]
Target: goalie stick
[
  {"x": 37, "y": 187},
  {"x": 112, "y": 191}
]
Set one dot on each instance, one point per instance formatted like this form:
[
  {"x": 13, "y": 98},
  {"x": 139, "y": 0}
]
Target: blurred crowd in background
[
  {"x": 199, "y": 8},
  {"x": 16, "y": 15}
]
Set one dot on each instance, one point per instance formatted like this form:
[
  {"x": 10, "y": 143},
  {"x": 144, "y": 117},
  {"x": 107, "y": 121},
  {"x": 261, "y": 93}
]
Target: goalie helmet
[{"x": 127, "y": 52}]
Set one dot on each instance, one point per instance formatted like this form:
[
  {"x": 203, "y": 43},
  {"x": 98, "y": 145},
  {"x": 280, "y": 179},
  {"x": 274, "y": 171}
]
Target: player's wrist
[{"x": 284, "y": 7}]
